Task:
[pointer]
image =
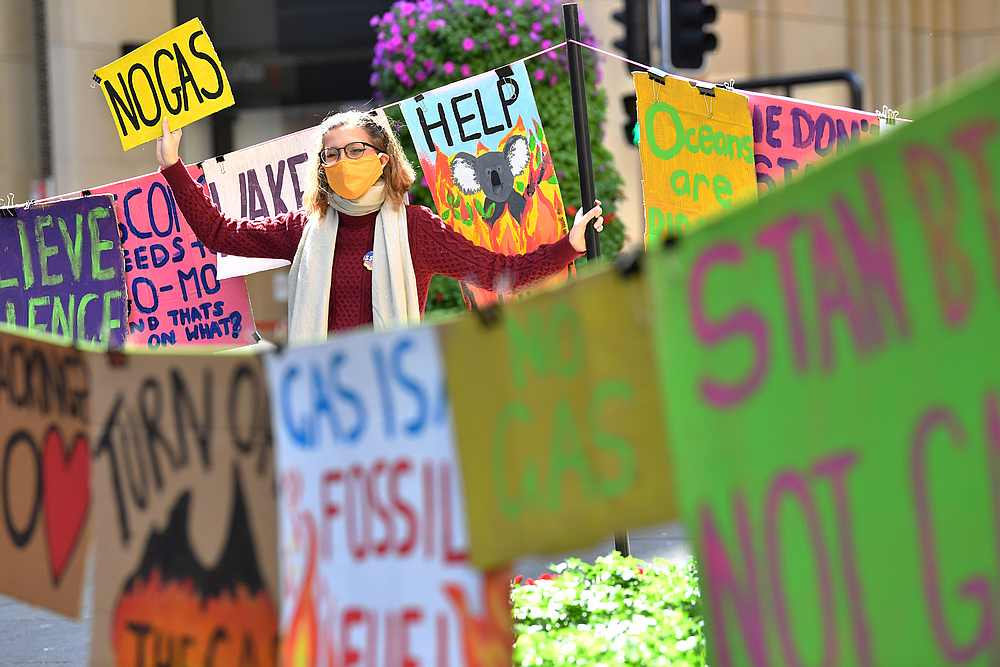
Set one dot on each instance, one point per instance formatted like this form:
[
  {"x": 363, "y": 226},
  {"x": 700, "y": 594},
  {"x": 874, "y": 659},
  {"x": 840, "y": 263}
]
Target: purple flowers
[{"x": 418, "y": 46}]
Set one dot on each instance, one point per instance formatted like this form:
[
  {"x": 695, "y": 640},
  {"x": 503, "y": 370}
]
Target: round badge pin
[{"x": 369, "y": 259}]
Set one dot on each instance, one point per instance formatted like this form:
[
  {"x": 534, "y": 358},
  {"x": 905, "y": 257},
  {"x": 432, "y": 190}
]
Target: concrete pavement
[{"x": 32, "y": 636}]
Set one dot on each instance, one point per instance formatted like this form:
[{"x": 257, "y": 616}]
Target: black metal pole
[
  {"x": 42, "y": 75},
  {"x": 581, "y": 124},
  {"x": 621, "y": 544}
]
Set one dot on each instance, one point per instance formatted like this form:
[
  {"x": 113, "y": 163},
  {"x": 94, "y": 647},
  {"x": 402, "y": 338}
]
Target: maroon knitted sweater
[{"x": 434, "y": 247}]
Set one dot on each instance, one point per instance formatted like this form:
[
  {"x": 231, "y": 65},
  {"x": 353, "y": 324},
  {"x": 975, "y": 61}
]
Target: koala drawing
[{"x": 494, "y": 174}]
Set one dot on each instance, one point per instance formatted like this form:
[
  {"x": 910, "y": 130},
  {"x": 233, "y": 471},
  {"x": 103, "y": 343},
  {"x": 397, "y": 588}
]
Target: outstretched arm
[
  {"x": 438, "y": 249},
  {"x": 276, "y": 237}
]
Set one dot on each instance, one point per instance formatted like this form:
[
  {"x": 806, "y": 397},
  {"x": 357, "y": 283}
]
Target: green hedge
[
  {"x": 616, "y": 611},
  {"x": 426, "y": 44}
]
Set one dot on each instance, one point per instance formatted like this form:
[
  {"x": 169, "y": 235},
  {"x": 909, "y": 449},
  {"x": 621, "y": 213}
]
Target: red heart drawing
[{"x": 66, "y": 476}]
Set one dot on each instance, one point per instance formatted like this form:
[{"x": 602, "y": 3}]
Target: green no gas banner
[{"x": 831, "y": 369}]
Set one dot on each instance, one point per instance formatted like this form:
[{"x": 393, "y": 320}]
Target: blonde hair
[{"x": 398, "y": 173}]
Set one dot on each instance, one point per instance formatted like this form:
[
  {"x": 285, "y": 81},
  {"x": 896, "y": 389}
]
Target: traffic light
[
  {"x": 634, "y": 17},
  {"x": 634, "y": 45},
  {"x": 631, "y": 119},
  {"x": 689, "y": 39}
]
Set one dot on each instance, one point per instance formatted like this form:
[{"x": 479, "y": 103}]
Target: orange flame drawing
[
  {"x": 158, "y": 622},
  {"x": 543, "y": 220},
  {"x": 487, "y": 640},
  {"x": 173, "y": 610},
  {"x": 299, "y": 644}
]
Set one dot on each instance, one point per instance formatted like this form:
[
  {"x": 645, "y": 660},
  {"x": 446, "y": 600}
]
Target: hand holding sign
[
  {"x": 177, "y": 76},
  {"x": 168, "y": 146},
  {"x": 577, "y": 235}
]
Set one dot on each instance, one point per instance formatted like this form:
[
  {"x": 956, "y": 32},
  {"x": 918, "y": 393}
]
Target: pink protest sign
[
  {"x": 790, "y": 134},
  {"x": 175, "y": 296}
]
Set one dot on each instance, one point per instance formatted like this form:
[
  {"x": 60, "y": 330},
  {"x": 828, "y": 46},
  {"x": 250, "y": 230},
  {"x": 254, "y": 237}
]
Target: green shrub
[
  {"x": 617, "y": 611},
  {"x": 426, "y": 44}
]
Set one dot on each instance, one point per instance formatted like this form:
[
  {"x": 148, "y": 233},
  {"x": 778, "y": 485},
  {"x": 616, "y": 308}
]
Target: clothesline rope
[
  {"x": 612, "y": 55},
  {"x": 385, "y": 107},
  {"x": 76, "y": 193},
  {"x": 398, "y": 102},
  {"x": 536, "y": 54},
  {"x": 649, "y": 68}
]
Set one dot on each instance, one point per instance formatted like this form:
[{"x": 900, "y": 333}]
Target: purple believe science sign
[{"x": 62, "y": 270}]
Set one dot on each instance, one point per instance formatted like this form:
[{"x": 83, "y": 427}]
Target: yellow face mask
[{"x": 352, "y": 178}]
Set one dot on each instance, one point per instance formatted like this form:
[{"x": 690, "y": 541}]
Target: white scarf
[{"x": 394, "y": 283}]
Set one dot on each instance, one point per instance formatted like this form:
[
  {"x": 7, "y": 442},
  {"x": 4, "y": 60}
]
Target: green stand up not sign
[{"x": 830, "y": 360}]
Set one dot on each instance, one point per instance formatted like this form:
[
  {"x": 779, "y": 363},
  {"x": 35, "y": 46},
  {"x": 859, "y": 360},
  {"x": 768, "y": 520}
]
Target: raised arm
[
  {"x": 276, "y": 237},
  {"x": 438, "y": 249}
]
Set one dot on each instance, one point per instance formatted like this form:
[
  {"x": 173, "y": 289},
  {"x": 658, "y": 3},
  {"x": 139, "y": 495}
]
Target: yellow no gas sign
[{"x": 178, "y": 75}]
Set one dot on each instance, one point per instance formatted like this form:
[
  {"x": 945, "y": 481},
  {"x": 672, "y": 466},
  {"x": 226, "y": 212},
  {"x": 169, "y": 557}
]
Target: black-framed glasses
[{"x": 353, "y": 151}]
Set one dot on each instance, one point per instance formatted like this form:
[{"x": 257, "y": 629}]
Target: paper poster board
[
  {"x": 44, "y": 472},
  {"x": 61, "y": 270},
  {"x": 789, "y": 135},
  {"x": 375, "y": 564},
  {"x": 696, "y": 150},
  {"x": 488, "y": 164},
  {"x": 261, "y": 182},
  {"x": 177, "y": 76},
  {"x": 560, "y": 439},
  {"x": 177, "y": 298},
  {"x": 183, "y": 483},
  {"x": 832, "y": 394}
]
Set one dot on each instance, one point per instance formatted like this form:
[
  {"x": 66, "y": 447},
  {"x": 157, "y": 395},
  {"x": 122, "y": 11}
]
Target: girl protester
[{"x": 359, "y": 254}]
